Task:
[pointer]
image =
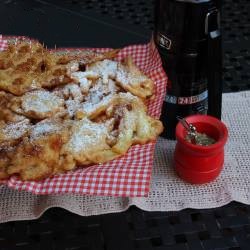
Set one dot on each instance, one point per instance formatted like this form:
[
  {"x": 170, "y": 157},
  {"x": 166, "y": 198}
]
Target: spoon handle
[{"x": 185, "y": 124}]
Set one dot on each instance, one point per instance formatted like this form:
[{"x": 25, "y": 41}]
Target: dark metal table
[{"x": 114, "y": 23}]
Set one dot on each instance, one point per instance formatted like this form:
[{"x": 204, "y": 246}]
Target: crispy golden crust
[
  {"x": 123, "y": 124},
  {"x": 38, "y": 159},
  {"x": 27, "y": 66},
  {"x": 59, "y": 112},
  {"x": 6, "y": 153},
  {"x": 38, "y": 155},
  {"x": 37, "y": 104},
  {"x": 13, "y": 132},
  {"x": 6, "y": 113},
  {"x": 86, "y": 57},
  {"x": 133, "y": 80}
]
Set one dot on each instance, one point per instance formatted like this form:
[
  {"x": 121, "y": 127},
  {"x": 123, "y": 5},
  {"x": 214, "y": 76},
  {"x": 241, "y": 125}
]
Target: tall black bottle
[{"x": 187, "y": 36}]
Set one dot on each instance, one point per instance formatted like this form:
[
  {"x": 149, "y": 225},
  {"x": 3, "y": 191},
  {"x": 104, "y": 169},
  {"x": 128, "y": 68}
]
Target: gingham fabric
[
  {"x": 3, "y": 43},
  {"x": 127, "y": 176}
]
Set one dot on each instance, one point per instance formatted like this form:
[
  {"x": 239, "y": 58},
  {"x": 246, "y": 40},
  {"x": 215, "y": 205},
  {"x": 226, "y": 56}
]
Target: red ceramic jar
[{"x": 200, "y": 164}]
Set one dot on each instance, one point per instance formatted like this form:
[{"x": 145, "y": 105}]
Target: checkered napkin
[
  {"x": 3, "y": 43},
  {"x": 127, "y": 176}
]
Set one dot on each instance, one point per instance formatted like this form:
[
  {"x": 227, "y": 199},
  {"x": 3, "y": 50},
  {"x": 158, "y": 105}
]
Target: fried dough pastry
[
  {"x": 6, "y": 154},
  {"x": 11, "y": 133},
  {"x": 38, "y": 155},
  {"x": 125, "y": 123},
  {"x": 126, "y": 74},
  {"x": 26, "y": 66},
  {"x": 106, "y": 69},
  {"x": 6, "y": 114},
  {"x": 37, "y": 160},
  {"x": 131, "y": 79},
  {"x": 88, "y": 142},
  {"x": 86, "y": 57},
  {"x": 98, "y": 99},
  {"x": 38, "y": 104},
  {"x": 61, "y": 111},
  {"x": 134, "y": 125}
]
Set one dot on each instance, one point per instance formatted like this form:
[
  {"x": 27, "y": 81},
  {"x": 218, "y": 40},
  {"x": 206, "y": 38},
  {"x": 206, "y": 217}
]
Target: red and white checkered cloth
[
  {"x": 3, "y": 43},
  {"x": 127, "y": 176}
]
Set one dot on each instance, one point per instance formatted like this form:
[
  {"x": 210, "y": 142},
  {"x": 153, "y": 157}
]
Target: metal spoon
[{"x": 192, "y": 132}]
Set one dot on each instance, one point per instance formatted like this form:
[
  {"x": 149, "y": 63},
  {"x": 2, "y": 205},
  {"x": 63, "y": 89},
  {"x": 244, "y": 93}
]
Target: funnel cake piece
[
  {"x": 131, "y": 79},
  {"x": 100, "y": 96},
  {"x": 38, "y": 104},
  {"x": 28, "y": 66},
  {"x": 135, "y": 126},
  {"x": 12, "y": 133},
  {"x": 6, "y": 114},
  {"x": 106, "y": 69},
  {"x": 85, "y": 79},
  {"x": 6, "y": 154},
  {"x": 38, "y": 156},
  {"x": 16, "y": 63},
  {"x": 88, "y": 142},
  {"x": 48, "y": 126},
  {"x": 124, "y": 123},
  {"x": 86, "y": 57},
  {"x": 37, "y": 160}
]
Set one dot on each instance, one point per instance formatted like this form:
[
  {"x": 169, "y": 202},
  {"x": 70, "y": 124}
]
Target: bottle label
[
  {"x": 164, "y": 41},
  {"x": 186, "y": 100}
]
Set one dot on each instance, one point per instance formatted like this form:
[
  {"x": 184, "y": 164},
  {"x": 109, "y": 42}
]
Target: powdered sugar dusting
[
  {"x": 128, "y": 96},
  {"x": 106, "y": 68},
  {"x": 86, "y": 136},
  {"x": 84, "y": 78},
  {"x": 111, "y": 87},
  {"x": 72, "y": 106},
  {"x": 101, "y": 89},
  {"x": 86, "y": 74},
  {"x": 41, "y": 101},
  {"x": 125, "y": 77},
  {"x": 72, "y": 91},
  {"x": 73, "y": 66},
  {"x": 85, "y": 85},
  {"x": 14, "y": 131},
  {"x": 44, "y": 127},
  {"x": 91, "y": 106},
  {"x": 122, "y": 75}
]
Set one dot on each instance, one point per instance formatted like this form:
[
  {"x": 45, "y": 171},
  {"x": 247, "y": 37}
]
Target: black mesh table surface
[
  {"x": 114, "y": 23},
  {"x": 226, "y": 228}
]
